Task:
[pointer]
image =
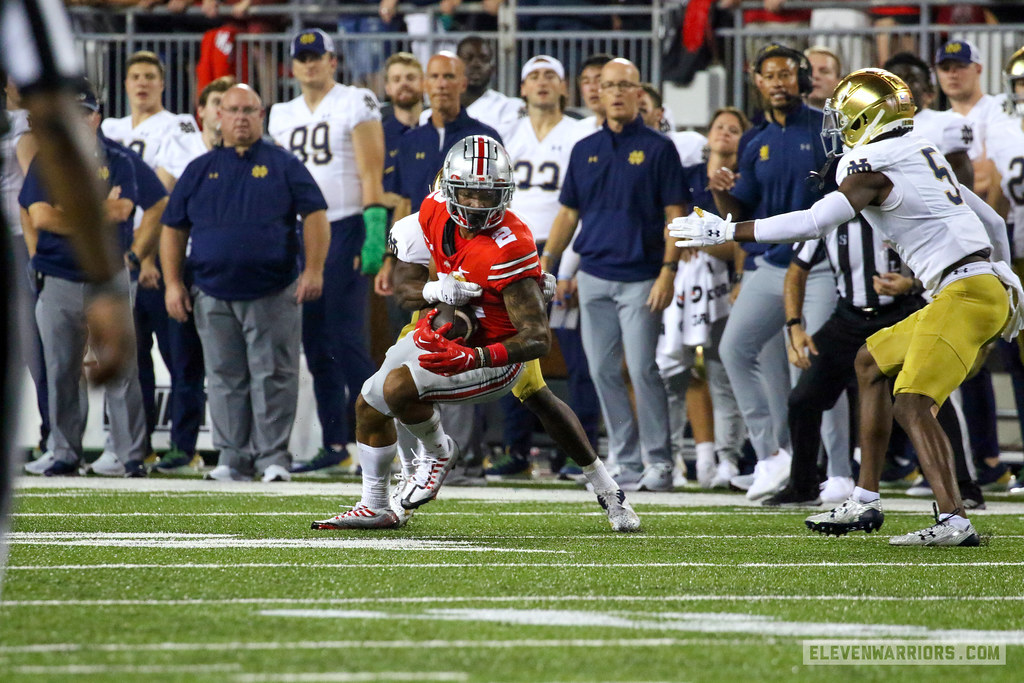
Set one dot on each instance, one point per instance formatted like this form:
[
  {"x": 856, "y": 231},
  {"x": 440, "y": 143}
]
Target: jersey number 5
[
  {"x": 319, "y": 140},
  {"x": 942, "y": 173}
]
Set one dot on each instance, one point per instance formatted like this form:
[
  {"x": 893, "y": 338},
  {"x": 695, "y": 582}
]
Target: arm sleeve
[
  {"x": 827, "y": 214},
  {"x": 994, "y": 224}
]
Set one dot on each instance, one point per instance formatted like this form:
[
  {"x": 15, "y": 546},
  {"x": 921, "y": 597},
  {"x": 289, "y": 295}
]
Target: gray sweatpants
[
  {"x": 60, "y": 314},
  {"x": 251, "y": 350},
  {"x": 753, "y": 350},
  {"x": 614, "y": 318}
]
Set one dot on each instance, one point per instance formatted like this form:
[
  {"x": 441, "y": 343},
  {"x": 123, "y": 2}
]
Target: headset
[{"x": 803, "y": 73}]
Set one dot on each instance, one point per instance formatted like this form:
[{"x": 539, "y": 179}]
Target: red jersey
[{"x": 493, "y": 259}]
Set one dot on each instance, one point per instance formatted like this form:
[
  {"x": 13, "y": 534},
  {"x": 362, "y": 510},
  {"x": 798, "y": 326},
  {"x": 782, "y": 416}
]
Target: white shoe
[
  {"x": 41, "y": 464},
  {"x": 276, "y": 473},
  {"x": 223, "y": 473},
  {"x": 770, "y": 475},
  {"x": 920, "y": 488},
  {"x": 942, "y": 533},
  {"x": 395, "y": 501},
  {"x": 359, "y": 517},
  {"x": 620, "y": 513},
  {"x": 726, "y": 471},
  {"x": 107, "y": 465},
  {"x": 706, "y": 469},
  {"x": 430, "y": 474},
  {"x": 836, "y": 489},
  {"x": 852, "y": 515}
]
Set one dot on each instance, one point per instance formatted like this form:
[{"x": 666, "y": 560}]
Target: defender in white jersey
[
  {"x": 335, "y": 130},
  {"x": 149, "y": 126},
  {"x": 954, "y": 243}
]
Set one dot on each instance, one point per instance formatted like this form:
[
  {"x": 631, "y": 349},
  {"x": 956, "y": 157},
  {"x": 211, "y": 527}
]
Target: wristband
[
  {"x": 671, "y": 265},
  {"x": 498, "y": 355},
  {"x": 133, "y": 260},
  {"x": 794, "y": 321},
  {"x": 482, "y": 359}
]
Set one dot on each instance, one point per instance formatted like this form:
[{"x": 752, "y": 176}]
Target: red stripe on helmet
[{"x": 481, "y": 151}]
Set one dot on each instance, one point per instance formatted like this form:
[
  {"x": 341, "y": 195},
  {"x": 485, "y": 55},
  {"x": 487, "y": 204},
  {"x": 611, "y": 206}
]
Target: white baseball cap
[{"x": 542, "y": 62}]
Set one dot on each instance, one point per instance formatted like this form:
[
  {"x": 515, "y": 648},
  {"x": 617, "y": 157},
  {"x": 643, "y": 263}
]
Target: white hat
[{"x": 542, "y": 62}]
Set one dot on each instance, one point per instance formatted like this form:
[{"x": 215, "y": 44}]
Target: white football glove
[
  {"x": 549, "y": 286},
  {"x": 450, "y": 290},
  {"x": 701, "y": 229}
]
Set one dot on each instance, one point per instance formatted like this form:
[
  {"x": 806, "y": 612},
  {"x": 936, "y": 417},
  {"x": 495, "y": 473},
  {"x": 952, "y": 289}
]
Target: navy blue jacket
[
  {"x": 621, "y": 183},
  {"x": 240, "y": 211}
]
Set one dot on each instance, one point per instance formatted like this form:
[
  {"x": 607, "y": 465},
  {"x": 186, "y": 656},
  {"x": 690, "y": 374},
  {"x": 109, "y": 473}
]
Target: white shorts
[{"x": 475, "y": 386}]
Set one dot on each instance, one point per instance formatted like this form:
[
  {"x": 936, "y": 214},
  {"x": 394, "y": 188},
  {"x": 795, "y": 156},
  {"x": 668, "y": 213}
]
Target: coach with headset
[{"x": 775, "y": 162}]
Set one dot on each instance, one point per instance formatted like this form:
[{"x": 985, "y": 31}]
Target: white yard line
[
  {"x": 347, "y": 676},
  {"x": 515, "y": 599},
  {"x": 500, "y": 565},
  {"x": 50, "y": 486},
  {"x": 374, "y": 644},
  {"x": 93, "y": 670}
]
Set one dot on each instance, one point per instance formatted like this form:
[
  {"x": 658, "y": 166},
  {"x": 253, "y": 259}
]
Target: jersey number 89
[{"x": 318, "y": 139}]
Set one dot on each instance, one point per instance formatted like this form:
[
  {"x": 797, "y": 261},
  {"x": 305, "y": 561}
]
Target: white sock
[
  {"x": 707, "y": 449},
  {"x": 599, "y": 478},
  {"x": 407, "y": 447},
  {"x": 431, "y": 435},
  {"x": 956, "y": 521},
  {"x": 376, "y": 464},
  {"x": 862, "y": 496}
]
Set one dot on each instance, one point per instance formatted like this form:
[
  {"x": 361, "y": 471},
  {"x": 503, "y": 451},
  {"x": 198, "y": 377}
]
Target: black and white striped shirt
[
  {"x": 856, "y": 254},
  {"x": 37, "y": 47}
]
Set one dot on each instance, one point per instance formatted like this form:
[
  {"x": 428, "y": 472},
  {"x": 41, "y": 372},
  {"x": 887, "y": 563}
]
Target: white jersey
[
  {"x": 322, "y": 140},
  {"x": 985, "y": 117},
  {"x": 147, "y": 138},
  {"x": 924, "y": 217},
  {"x": 11, "y": 177},
  {"x": 948, "y": 131},
  {"x": 539, "y": 167},
  {"x": 407, "y": 243},
  {"x": 1008, "y": 158},
  {"x": 498, "y": 111},
  {"x": 690, "y": 146},
  {"x": 178, "y": 152}
]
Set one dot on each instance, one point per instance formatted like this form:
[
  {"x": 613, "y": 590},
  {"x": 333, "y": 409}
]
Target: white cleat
[
  {"x": 276, "y": 473},
  {"x": 620, "y": 513},
  {"x": 395, "y": 501},
  {"x": 850, "y": 516},
  {"x": 942, "y": 533},
  {"x": 770, "y": 475},
  {"x": 430, "y": 474},
  {"x": 359, "y": 517},
  {"x": 725, "y": 472}
]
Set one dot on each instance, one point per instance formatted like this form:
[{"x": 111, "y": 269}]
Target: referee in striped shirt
[
  {"x": 875, "y": 290},
  {"x": 38, "y": 50}
]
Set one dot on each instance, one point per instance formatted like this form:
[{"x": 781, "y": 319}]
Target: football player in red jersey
[{"x": 482, "y": 254}]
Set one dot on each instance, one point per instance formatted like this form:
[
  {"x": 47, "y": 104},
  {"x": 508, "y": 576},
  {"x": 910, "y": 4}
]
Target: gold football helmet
[
  {"x": 866, "y": 104},
  {"x": 1013, "y": 72}
]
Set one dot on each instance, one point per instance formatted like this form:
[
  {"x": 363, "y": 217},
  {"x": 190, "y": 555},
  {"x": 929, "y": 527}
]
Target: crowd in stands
[{"x": 720, "y": 343}]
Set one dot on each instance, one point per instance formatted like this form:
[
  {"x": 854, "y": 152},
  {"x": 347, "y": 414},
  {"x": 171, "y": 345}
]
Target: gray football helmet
[{"x": 477, "y": 182}]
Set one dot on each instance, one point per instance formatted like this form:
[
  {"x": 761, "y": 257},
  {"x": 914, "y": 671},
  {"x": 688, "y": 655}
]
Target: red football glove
[
  {"x": 426, "y": 337},
  {"x": 451, "y": 360}
]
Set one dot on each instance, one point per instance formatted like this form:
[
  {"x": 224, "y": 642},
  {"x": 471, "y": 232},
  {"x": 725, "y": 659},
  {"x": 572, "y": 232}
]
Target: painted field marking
[
  {"x": 375, "y": 644},
  {"x": 92, "y": 670},
  {"x": 347, "y": 676},
  {"x": 434, "y": 599},
  {"x": 693, "y": 622},
  {"x": 500, "y": 565}
]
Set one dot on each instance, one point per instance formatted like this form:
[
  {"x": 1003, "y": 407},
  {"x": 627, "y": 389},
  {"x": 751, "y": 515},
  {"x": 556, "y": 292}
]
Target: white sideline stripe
[
  {"x": 377, "y": 644},
  {"x": 434, "y": 599},
  {"x": 90, "y": 670},
  {"x": 345, "y": 676},
  {"x": 77, "y": 486},
  {"x": 693, "y": 622},
  {"x": 219, "y": 541},
  {"x": 503, "y": 565}
]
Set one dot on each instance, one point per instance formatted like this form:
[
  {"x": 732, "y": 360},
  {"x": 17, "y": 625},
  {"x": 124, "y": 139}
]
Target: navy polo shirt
[
  {"x": 54, "y": 254},
  {"x": 621, "y": 183},
  {"x": 151, "y": 190},
  {"x": 695, "y": 182},
  {"x": 393, "y": 131},
  {"x": 421, "y": 154},
  {"x": 774, "y": 171},
  {"x": 240, "y": 211}
]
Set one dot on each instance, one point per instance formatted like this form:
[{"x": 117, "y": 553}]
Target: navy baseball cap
[
  {"x": 958, "y": 51},
  {"x": 312, "y": 40},
  {"x": 86, "y": 95}
]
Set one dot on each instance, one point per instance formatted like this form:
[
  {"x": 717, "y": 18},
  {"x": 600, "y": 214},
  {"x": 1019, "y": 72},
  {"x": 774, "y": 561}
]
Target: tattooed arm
[{"x": 525, "y": 306}]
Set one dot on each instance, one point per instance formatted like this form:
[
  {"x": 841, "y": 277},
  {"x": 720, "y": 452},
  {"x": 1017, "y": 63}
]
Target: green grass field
[{"x": 178, "y": 579}]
